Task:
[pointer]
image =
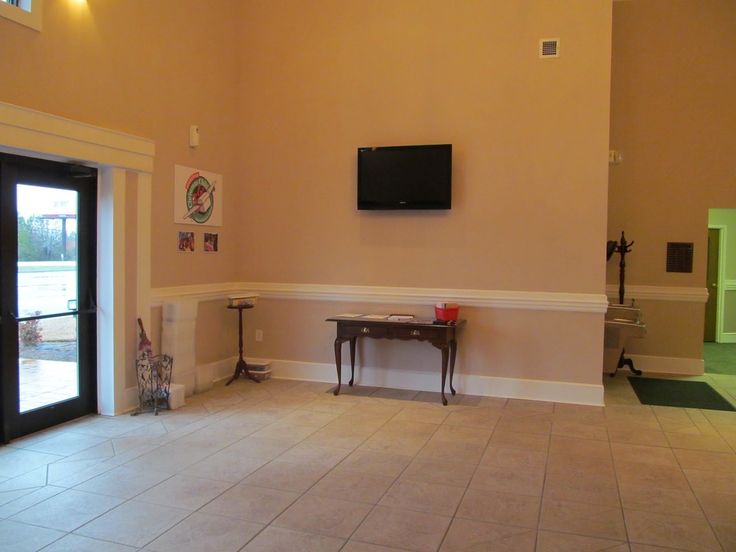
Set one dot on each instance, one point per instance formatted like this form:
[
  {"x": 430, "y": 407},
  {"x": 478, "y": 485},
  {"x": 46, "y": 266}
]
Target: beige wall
[
  {"x": 672, "y": 118},
  {"x": 530, "y": 141},
  {"x": 150, "y": 69},
  {"x": 285, "y": 92}
]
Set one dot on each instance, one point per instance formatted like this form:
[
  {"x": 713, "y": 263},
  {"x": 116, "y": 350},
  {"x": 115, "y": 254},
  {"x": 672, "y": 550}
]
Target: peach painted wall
[
  {"x": 150, "y": 69},
  {"x": 284, "y": 93},
  {"x": 530, "y": 142},
  {"x": 673, "y": 118}
]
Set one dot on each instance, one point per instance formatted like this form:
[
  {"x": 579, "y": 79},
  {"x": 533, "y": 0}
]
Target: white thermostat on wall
[{"x": 193, "y": 136}]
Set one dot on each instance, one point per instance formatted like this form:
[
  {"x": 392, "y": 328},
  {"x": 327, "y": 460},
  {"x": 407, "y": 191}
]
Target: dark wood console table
[{"x": 441, "y": 335}]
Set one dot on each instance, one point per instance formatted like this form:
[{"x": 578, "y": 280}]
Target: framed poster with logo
[{"x": 197, "y": 197}]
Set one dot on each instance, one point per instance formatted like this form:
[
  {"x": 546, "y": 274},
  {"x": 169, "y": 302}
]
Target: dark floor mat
[{"x": 687, "y": 394}]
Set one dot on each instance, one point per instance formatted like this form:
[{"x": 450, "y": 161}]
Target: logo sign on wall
[{"x": 197, "y": 197}]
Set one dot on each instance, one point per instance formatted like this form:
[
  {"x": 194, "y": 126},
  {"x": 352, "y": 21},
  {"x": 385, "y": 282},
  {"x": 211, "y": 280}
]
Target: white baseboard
[
  {"x": 727, "y": 337},
  {"x": 668, "y": 365},
  {"x": 131, "y": 400},
  {"x": 489, "y": 386}
]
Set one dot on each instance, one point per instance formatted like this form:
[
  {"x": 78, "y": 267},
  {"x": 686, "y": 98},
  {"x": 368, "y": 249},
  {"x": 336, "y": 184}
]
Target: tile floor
[{"x": 285, "y": 466}]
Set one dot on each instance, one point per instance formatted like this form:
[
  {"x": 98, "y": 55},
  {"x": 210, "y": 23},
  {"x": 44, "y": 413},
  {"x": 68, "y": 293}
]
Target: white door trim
[{"x": 33, "y": 133}]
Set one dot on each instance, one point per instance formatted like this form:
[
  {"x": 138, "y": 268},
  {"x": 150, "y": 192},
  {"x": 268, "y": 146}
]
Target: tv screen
[{"x": 405, "y": 177}]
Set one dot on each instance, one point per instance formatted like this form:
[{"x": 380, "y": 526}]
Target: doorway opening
[
  {"x": 719, "y": 331},
  {"x": 48, "y": 274}
]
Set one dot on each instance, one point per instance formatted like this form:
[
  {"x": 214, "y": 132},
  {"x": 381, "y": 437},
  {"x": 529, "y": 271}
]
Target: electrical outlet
[{"x": 259, "y": 335}]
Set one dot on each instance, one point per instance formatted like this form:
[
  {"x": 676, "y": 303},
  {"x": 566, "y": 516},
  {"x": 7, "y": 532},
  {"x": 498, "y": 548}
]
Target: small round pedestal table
[{"x": 241, "y": 366}]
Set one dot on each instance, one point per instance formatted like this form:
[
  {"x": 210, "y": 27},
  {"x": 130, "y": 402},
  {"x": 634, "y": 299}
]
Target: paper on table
[
  {"x": 376, "y": 316},
  {"x": 349, "y": 315}
]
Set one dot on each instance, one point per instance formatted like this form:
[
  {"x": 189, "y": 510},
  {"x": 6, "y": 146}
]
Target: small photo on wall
[
  {"x": 210, "y": 242},
  {"x": 186, "y": 241}
]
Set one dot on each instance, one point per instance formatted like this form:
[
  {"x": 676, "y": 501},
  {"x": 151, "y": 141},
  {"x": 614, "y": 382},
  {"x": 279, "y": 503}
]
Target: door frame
[
  {"x": 720, "y": 278},
  {"x": 122, "y": 161},
  {"x": 14, "y": 172}
]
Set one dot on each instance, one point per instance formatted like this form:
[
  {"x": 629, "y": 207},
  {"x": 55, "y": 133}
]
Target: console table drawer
[
  {"x": 416, "y": 333},
  {"x": 363, "y": 331}
]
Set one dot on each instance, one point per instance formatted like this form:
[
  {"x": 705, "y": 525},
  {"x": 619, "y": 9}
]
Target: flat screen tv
[{"x": 405, "y": 177}]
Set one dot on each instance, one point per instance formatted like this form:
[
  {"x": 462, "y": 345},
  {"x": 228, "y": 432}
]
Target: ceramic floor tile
[
  {"x": 503, "y": 508},
  {"x": 643, "y": 454},
  {"x": 17, "y": 462},
  {"x": 186, "y": 492},
  {"x": 314, "y": 454},
  {"x": 485, "y": 418},
  {"x": 448, "y": 452},
  {"x": 206, "y": 456},
  {"x": 712, "y": 443},
  {"x": 68, "y": 510},
  {"x": 323, "y": 516},
  {"x": 526, "y": 441},
  {"x": 77, "y": 543},
  {"x": 503, "y": 479},
  {"x": 430, "y": 498},
  {"x": 170, "y": 458},
  {"x": 277, "y": 539},
  {"x": 711, "y": 480},
  {"x": 19, "y": 537},
  {"x": 455, "y": 435},
  {"x": 225, "y": 465},
  {"x": 704, "y": 460},
  {"x": 395, "y": 443},
  {"x": 251, "y": 503},
  {"x": 133, "y": 523},
  {"x": 357, "y": 486},
  {"x": 67, "y": 443},
  {"x": 588, "y": 488},
  {"x": 467, "y": 535},
  {"x": 579, "y": 430},
  {"x": 422, "y": 414},
  {"x": 375, "y": 462},
  {"x": 123, "y": 482},
  {"x": 661, "y": 500},
  {"x": 286, "y": 476},
  {"x": 583, "y": 519},
  {"x": 726, "y": 533},
  {"x": 550, "y": 541},
  {"x": 257, "y": 447},
  {"x": 505, "y": 457},
  {"x": 427, "y": 470},
  {"x": 206, "y": 532},
  {"x": 719, "y": 506},
  {"x": 30, "y": 499},
  {"x": 405, "y": 529},
  {"x": 667, "y": 530},
  {"x": 356, "y": 546},
  {"x": 651, "y": 476},
  {"x": 638, "y": 436}
]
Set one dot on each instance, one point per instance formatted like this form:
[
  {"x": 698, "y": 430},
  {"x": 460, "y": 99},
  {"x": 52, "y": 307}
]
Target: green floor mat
[
  {"x": 720, "y": 358},
  {"x": 688, "y": 394}
]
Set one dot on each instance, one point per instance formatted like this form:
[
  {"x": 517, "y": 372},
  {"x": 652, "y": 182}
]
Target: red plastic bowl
[{"x": 446, "y": 315}]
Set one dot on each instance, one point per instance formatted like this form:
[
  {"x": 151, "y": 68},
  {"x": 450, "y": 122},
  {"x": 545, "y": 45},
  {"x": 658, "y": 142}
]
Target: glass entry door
[{"x": 47, "y": 272}]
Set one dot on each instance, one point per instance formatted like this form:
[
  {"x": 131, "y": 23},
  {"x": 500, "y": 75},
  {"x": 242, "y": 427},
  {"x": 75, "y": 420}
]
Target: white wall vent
[{"x": 549, "y": 48}]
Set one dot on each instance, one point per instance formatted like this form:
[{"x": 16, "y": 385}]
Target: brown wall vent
[
  {"x": 679, "y": 257},
  {"x": 549, "y": 48}
]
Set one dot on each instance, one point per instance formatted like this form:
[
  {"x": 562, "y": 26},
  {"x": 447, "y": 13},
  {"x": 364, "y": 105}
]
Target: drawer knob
[
  {"x": 365, "y": 330},
  {"x": 414, "y": 332}
]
